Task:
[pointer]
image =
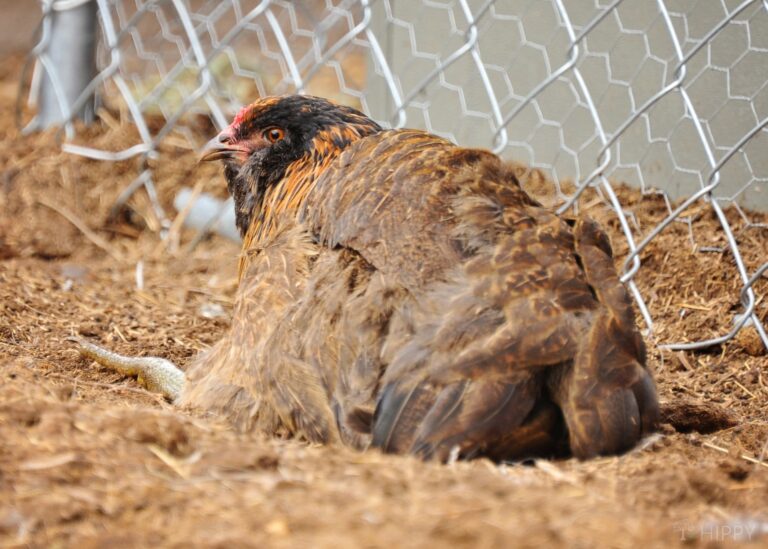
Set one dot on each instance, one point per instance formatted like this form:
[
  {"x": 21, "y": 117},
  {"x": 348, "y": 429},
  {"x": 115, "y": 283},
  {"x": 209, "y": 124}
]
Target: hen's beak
[{"x": 219, "y": 148}]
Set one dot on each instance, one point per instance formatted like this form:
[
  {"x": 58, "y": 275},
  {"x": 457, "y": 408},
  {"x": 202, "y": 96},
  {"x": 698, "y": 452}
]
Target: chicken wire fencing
[{"x": 668, "y": 96}]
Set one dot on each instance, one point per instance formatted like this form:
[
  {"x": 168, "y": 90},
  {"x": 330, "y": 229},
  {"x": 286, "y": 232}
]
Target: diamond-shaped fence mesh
[{"x": 668, "y": 96}]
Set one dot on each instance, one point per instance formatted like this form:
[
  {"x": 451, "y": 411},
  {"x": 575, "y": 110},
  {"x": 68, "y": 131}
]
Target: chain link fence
[{"x": 669, "y": 96}]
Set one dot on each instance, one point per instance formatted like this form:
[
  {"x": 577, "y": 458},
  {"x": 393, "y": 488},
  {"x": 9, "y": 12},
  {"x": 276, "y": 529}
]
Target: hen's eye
[{"x": 273, "y": 135}]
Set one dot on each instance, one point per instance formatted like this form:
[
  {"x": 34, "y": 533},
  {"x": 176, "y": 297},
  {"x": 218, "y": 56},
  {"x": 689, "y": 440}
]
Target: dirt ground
[{"x": 88, "y": 459}]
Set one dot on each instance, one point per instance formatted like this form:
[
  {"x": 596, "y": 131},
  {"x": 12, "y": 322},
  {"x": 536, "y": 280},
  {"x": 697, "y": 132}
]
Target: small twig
[
  {"x": 745, "y": 457},
  {"x": 695, "y": 307},
  {"x": 750, "y": 393},
  {"x": 180, "y": 467},
  {"x": 108, "y": 119},
  {"x": 82, "y": 227},
  {"x": 723, "y": 379},
  {"x": 120, "y": 334},
  {"x": 684, "y": 361}
]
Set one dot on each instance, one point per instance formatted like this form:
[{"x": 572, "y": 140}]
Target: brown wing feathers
[
  {"x": 523, "y": 264},
  {"x": 610, "y": 398}
]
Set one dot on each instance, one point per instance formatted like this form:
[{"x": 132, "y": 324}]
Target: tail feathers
[
  {"x": 601, "y": 402},
  {"x": 481, "y": 413},
  {"x": 475, "y": 416},
  {"x": 607, "y": 397},
  {"x": 648, "y": 403},
  {"x": 608, "y": 426},
  {"x": 398, "y": 412},
  {"x": 542, "y": 434}
]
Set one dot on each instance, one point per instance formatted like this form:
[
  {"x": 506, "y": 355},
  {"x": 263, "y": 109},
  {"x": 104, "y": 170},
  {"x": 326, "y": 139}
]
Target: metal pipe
[{"x": 71, "y": 56}]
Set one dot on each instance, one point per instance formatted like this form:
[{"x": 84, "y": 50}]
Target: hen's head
[{"x": 269, "y": 136}]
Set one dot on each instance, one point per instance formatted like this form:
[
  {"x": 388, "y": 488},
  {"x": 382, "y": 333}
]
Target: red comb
[{"x": 240, "y": 116}]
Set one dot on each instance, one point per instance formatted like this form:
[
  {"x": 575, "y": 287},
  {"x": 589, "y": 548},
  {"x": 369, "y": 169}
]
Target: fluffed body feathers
[{"x": 402, "y": 292}]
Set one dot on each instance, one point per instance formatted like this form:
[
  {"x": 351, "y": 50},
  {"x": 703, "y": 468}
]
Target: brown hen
[{"x": 399, "y": 291}]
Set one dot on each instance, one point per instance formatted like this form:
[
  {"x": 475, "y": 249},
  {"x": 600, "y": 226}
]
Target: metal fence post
[{"x": 71, "y": 53}]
